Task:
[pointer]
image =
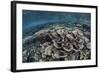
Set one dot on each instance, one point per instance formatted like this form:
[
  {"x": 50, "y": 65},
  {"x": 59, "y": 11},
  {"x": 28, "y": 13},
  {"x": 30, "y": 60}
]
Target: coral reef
[{"x": 57, "y": 43}]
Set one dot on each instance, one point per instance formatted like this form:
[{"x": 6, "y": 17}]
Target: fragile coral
[{"x": 58, "y": 44}]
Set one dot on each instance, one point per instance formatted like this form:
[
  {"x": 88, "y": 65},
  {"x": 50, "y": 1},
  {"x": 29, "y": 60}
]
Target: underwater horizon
[{"x": 32, "y": 19}]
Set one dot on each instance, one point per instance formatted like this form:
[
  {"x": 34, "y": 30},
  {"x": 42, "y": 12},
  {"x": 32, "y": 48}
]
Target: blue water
[{"x": 33, "y": 19}]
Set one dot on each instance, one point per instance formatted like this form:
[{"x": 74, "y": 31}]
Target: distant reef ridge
[{"x": 30, "y": 31}]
